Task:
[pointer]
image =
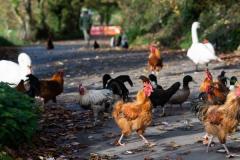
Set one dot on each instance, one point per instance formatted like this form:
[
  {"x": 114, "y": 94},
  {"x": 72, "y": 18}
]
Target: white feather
[
  {"x": 210, "y": 47},
  {"x": 96, "y": 99},
  {"x": 95, "y": 96},
  {"x": 200, "y": 53},
  {"x": 12, "y": 72},
  {"x": 231, "y": 87}
]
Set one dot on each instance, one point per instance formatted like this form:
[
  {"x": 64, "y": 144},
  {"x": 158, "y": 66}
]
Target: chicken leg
[
  {"x": 209, "y": 142},
  {"x": 120, "y": 139},
  {"x": 229, "y": 155},
  {"x": 226, "y": 149},
  {"x": 144, "y": 139},
  {"x": 163, "y": 112}
]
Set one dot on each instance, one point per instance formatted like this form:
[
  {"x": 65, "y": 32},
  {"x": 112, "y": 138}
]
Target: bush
[
  {"x": 170, "y": 22},
  {"x": 226, "y": 37},
  {"x": 18, "y": 117},
  {"x": 5, "y": 156}
]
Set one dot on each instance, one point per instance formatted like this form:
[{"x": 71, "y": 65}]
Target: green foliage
[
  {"x": 170, "y": 22},
  {"x": 105, "y": 9},
  {"x": 227, "y": 37},
  {"x": 5, "y": 156},
  {"x": 18, "y": 117},
  {"x": 5, "y": 42},
  {"x": 10, "y": 38}
]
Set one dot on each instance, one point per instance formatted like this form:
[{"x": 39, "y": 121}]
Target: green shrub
[
  {"x": 226, "y": 37},
  {"x": 5, "y": 156},
  {"x": 18, "y": 117}
]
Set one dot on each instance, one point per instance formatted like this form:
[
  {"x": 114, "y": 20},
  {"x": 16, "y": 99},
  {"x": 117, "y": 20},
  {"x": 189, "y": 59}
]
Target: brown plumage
[
  {"x": 222, "y": 120},
  {"x": 20, "y": 87},
  {"x": 134, "y": 116},
  {"x": 51, "y": 88},
  {"x": 216, "y": 91},
  {"x": 154, "y": 59}
]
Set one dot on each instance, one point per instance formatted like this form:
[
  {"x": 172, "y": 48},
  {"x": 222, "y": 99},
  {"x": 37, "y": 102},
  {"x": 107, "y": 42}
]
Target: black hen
[
  {"x": 31, "y": 86},
  {"x": 50, "y": 44},
  {"x": 125, "y": 78},
  {"x": 117, "y": 85},
  {"x": 96, "y": 45},
  {"x": 34, "y": 86},
  {"x": 159, "y": 97},
  {"x": 154, "y": 82},
  {"x": 121, "y": 78},
  {"x": 222, "y": 78}
]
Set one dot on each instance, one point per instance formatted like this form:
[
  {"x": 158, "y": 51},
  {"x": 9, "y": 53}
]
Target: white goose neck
[{"x": 194, "y": 34}]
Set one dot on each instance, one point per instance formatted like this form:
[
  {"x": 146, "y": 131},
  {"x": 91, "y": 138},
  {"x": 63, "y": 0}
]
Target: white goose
[
  {"x": 13, "y": 73},
  {"x": 200, "y": 53}
]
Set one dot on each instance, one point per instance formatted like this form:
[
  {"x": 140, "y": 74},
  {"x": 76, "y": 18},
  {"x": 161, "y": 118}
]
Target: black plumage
[
  {"x": 159, "y": 97},
  {"x": 154, "y": 82},
  {"x": 117, "y": 85},
  {"x": 222, "y": 78},
  {"x": 121, "y": 78},
  {"x": 50, "y": 44},
  {"x": 96, "y": 45},
  {"x": 34, "y": 85}
]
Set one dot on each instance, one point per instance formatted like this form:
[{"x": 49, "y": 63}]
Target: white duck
[
  {"x": 200, "y": 53},
  {"x": 12, "y": 72}
]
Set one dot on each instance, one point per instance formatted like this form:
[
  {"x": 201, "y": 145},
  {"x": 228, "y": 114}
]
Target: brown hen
[
  {"x": 134, "y": 116},
  {"x": 221, "y": 120}
]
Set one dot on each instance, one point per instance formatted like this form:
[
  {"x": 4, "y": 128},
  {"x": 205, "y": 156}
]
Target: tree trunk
[{"x": 28, "y": 20}]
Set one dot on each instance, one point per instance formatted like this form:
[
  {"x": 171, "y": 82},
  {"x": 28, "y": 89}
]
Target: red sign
[{"x": 105, "y": 30}]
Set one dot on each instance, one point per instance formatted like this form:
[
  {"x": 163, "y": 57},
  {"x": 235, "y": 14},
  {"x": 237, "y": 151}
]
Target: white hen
[
  {"x": 96, "y": 99},
  {"x": 12, "y": 72},
  {"x": 200, "y": 53}
]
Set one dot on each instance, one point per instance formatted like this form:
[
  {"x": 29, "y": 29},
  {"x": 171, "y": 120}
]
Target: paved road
[{"x": 173, "y": 140}]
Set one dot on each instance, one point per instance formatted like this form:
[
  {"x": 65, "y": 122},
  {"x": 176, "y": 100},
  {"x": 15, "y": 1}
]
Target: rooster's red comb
[
  {"x": 148, "y": 89},
  {"x": 208, "y": 75}
]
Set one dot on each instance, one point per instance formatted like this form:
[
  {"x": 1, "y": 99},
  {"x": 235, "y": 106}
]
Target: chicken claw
[
  {"x": 121, "y": 144},
  {"x": 150, "y": 144}
]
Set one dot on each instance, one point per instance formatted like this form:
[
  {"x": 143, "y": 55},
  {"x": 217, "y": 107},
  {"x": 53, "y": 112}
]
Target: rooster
[
  {"x": 216, "y": 92},
  {"x": 154, "y": 59},
  {"x": 134, "y": 116},
  {"x": 159, "y": 97},
  {"x": 222, "y": 120},
  {"x": 48, "y": 89},
  {"x": 97, "y": 100}
]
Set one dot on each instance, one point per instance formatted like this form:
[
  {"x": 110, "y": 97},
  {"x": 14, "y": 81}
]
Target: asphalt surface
[{"x": 173, "y": 140}]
